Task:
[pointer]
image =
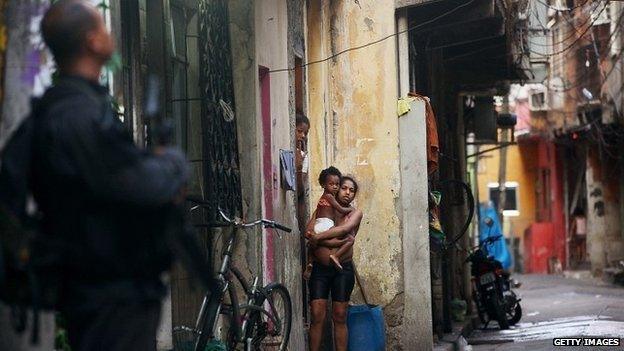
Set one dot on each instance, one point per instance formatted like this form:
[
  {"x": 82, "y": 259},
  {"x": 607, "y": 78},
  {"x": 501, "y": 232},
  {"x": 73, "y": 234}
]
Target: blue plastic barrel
[{"x": 366, "y": 328}]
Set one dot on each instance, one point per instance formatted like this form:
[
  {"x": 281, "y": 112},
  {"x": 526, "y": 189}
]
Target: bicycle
[{"x": 264, "y": 321}]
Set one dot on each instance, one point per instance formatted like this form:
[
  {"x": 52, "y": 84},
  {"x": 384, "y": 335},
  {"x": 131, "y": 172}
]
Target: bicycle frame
[
  {"x": 212, "y": 304},
  {"x": 252, "y": 292}
]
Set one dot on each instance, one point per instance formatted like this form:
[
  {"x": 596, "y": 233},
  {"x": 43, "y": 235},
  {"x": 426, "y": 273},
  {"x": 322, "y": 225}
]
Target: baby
[{"x": 326, "y": 210}]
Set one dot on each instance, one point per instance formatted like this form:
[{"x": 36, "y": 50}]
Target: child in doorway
[{"x": 326, "y": 210}]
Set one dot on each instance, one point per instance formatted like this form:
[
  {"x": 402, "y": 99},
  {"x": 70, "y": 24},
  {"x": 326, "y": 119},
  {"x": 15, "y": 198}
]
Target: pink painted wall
[{"x": 267, "y": 172}]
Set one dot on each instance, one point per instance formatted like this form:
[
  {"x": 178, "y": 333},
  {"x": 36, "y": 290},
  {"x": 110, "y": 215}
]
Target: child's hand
[
  {"x": 312, "y": 241},
  {"x": 308, "y": 234}
]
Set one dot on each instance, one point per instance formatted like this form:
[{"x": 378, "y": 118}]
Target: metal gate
[{"x": 220, "y": 146}]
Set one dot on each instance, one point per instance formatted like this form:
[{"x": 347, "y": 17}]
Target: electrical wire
[
  {"x": 611, "y": 36},
  {"x": 563, "y": 9},
  {"x": 599, "y": 59},
  {"x": 579, "y": 83},
  {"x": 354, "y": 48},
  {"x": 576, "y": 31},
  {"x": 575, "y": 41}
]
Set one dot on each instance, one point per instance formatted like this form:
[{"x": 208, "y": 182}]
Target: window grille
[{"x": 218, "y": 120}]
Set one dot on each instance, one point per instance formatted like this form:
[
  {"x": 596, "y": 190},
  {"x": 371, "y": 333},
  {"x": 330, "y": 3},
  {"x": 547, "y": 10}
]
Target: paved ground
[{"x": 555, "y": 306}]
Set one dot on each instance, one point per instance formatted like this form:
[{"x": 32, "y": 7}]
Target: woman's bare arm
[
  {"x": 310, "y": 226},
  {"x": 352, "y": 222},
  {"x": 334, "y": 203},
  {"x": 332, "y": 243}
]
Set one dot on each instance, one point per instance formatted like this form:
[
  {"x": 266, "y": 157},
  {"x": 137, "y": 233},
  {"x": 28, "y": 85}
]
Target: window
[
  {"x": 511, "y": 198},
  {"x": 538, "y": 101}
]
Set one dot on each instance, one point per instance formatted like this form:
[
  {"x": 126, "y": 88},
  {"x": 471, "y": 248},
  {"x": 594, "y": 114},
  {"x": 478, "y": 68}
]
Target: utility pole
[
  {"x": 502, "y": 175},
  {"x": 502, "y": 167}
]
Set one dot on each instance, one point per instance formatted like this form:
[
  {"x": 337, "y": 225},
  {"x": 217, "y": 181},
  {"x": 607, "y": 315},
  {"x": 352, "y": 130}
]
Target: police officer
[{"x": 100, "y": 195}]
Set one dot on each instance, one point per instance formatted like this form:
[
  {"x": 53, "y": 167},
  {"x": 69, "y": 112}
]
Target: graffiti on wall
[
  {"x": 39, "y": 64},
  {"x": 27, "y": 66}
]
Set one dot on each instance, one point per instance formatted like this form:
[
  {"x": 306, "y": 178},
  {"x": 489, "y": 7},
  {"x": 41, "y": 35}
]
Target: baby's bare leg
[
  {"x": 308, "y": 269},
  {"x": 343, "y": 249}
]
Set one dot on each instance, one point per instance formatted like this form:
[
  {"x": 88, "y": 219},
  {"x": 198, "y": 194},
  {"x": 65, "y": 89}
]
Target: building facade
[
  {"x": 233, "y": 76},
  {"x": 579, "y": 127}
]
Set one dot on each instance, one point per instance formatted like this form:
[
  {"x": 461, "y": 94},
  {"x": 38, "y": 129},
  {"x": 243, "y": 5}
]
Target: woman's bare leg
[
  {"x": 339, "y": 317},
  {"x": 318, "y": 309},
  {"x": 307, "y": 272}
]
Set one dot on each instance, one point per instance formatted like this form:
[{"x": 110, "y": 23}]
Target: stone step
[{"x": 580, "y": 275}]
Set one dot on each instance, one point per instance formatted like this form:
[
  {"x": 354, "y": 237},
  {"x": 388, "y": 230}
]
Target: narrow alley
[
  {"x": 558, "y": 307},
  {"x": 323, "y": 175}
]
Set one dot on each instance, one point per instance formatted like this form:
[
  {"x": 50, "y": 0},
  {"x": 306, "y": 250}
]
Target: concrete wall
[
  {"x": 354, "y": 126},
  {"x": 605, "y": 244},
  {"x": 281, "y": 251},
  {"x": 417, "y": 324},
  {"x": 27, "y": 69}
]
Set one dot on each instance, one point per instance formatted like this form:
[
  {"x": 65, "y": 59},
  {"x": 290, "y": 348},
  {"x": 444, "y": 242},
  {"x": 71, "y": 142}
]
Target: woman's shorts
[{"x": 326, "y": 279}]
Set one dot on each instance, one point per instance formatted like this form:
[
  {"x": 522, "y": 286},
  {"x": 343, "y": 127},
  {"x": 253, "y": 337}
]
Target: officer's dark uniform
[{"x": 102, "y": 200}]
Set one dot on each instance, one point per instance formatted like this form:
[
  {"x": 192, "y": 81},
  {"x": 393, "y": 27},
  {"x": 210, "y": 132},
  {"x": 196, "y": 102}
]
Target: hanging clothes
[
  {"x": 497, "y": 249},
  {"x": 436, "y": 234},
  {"x": 433, "y": 143}
]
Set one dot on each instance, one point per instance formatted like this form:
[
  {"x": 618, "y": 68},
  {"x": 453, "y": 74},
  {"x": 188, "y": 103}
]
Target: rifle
[{"x": 180, "y": 234}]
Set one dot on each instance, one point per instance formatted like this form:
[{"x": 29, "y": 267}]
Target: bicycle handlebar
[
  {"x": 266, "y": 222},
  {"x": 237, "y": 222}
]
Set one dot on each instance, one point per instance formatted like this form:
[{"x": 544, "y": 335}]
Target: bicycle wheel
[
  {"x": 231, "y": 310},
  {"x": 208, "y": 320},
  {"x": 271, "y": 330},
  {"x": 231, "y": 326}
]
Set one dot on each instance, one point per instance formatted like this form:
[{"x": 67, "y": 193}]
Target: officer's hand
[
  {"x": 180, "y": 196},
  {"x": 159, "y": 150}
]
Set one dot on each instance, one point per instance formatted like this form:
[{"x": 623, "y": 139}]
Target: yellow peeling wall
[{"x": 354, "y": 126}]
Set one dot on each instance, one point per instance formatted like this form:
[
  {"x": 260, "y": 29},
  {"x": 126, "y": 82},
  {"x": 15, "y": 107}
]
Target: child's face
[
  {"x": 332, "y": 184},
  {"x": 302, "y": 132}
]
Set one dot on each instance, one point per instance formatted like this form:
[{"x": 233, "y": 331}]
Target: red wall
[
  {"x": 548, "y": 239},
  {"x": 539, "y": 245},
  {"x": 558, "y": 218}
]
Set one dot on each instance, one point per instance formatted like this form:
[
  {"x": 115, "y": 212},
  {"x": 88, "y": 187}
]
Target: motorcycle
[{"x": 491, "y": 287}]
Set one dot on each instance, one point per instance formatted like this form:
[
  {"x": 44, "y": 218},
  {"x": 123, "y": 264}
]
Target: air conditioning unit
[
  {"x": 538, "y": 100},
  {"x": 600, "y": 13}
]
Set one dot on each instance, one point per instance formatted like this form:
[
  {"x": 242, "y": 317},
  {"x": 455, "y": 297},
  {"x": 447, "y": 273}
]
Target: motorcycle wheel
[
  {"x": 483, "y": 317},
  {"x": 515, "y": 315},
  {"x": 499, "y": 310}
]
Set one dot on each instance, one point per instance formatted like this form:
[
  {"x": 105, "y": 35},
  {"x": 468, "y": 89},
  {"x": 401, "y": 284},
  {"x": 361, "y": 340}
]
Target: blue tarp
[{"x": 498, "y": 249}]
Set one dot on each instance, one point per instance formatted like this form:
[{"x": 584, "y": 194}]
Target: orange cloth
[
  {"x": 433, "y": 143},
  {"x": 323, "y": 203}
]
